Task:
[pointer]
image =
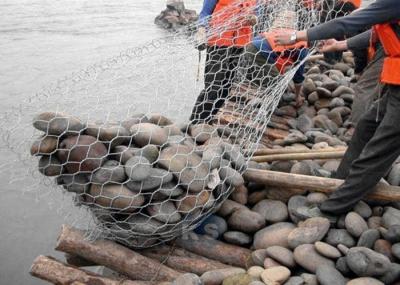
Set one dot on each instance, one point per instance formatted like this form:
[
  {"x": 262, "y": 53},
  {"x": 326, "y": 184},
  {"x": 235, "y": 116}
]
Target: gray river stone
[
  {"x": 328, "y": 275},
  {"x": 138, "y": 168},
  {"x": 341, "y": 265},
  {"x": 282, "y": 255},
  {"x": 237, "y": 238},
  {"x": 391, "y": 217},
  {"x": 156, "y": 178},
  {"x": 147, "y": 133},
  {"x": 355, "y": 224},
  {"x": 309, "y": 232},
  {"x": 272, "y": 211},
  {"x": 165, "y": 212},
  {"x": 306, "y": 256},
  {"x": 368, "y": 238},
  {"x": 366, "y": 262},
  {"x": 339, "y": 236},
  {"x": 111, "y": 172},
  {"x": 275, "y": 234}
]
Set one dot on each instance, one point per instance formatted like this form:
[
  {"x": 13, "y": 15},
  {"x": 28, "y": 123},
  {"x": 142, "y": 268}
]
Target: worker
[
  {"x": 375, "y": 142},
  {"x": 368, "y": 84},
  {"x": 268, "y": 60},
  {"x": 341, "y": 8},
  {"x": 225, "y": 28}
]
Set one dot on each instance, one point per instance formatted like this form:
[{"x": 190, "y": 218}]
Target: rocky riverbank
[{"x": 147, "y": 179}]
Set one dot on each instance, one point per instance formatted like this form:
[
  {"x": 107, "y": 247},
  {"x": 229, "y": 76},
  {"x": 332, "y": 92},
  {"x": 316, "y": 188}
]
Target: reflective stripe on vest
[
  {"x": 391, "y": 45},
  {"x": 283, "y": 61},
  {"x": 225, "y": 22}
]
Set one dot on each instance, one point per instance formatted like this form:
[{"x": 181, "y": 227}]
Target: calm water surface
[{"x": 42, "y": 41}]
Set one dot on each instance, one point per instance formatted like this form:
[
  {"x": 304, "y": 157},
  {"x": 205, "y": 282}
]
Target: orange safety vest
[
  {"x": 356, "y": 3},
  {"x": 391, "y": 45},
  {"x": 222, "y": 16},
  {"x": 283, "y": 61}
]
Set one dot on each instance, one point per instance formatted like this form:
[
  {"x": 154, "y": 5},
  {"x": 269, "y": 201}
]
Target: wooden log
[
  {"x": 382, "y": 192},
  {"x": 299, "y": 156},
  {"x": 187, "y": 264},
  {"x": 78, "y": 261},
  {"x": 56, "y": 272},
  {"x": 215, "y": 249},
  {"x": 270, "y": 151},
  {"x": 113, "y": 256}
]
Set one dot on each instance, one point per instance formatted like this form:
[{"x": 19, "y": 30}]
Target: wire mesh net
[{"x": 118, "y": 135}]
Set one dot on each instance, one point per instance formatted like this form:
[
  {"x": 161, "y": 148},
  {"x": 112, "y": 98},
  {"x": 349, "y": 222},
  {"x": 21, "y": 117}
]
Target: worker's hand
[
  {"x": 332, "y": 45},
  {"x": 200, "y": 38}
]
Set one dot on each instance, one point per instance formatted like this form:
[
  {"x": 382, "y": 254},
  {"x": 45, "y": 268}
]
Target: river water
[{"x": 42, "y": 41}]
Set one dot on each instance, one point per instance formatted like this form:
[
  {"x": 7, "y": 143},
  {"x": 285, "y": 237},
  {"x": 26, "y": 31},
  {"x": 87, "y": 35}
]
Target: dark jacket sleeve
[
  {"x": 380, "y": 11},
  {"x": 360, "y": 41}
]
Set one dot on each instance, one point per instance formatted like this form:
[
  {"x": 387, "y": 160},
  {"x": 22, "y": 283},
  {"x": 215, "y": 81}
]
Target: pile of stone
[
  {"x": 175, "y": 16},
  {"x": 146, "y": 178},
  {"x": 323, "y": 118}
]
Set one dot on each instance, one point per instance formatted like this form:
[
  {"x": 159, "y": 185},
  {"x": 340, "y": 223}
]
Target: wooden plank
[
  {"x": 382, "y": 192},
  {"x": 299, "y": 156}
]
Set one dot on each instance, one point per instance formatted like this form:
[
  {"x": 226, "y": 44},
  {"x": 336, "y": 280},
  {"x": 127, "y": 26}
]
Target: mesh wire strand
[{"x": 116, "y": 134}]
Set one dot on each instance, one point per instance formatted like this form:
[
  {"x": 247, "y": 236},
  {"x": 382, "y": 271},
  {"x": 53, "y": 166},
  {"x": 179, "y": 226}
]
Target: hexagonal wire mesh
[{"x": 117, "y": 134}]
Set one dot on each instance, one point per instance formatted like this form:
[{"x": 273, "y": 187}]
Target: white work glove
[{"x": 200, "y": 39}]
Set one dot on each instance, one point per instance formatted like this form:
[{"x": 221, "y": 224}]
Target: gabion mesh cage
[{"x": 118, "y": 135}]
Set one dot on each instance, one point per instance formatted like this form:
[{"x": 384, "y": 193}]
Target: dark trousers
[
  {"x": 220, "y": 68},
  {"x": 373, "y": 149}
]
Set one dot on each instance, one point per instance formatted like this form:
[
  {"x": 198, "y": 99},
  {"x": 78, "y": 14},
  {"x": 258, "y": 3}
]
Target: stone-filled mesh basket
[{"x": 117, "y": 136}]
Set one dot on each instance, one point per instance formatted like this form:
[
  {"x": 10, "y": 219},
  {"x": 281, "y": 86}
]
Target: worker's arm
[
  {"x": 380, "y": 11},
  {"x": 206, "y": 12},
  {"x": 360, "y": 41}
]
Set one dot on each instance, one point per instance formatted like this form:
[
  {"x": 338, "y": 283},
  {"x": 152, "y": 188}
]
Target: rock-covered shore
[{"x": 149, "y": 176}]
